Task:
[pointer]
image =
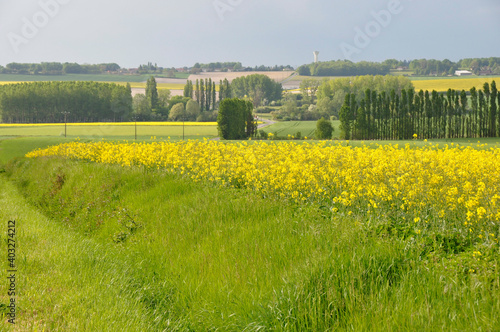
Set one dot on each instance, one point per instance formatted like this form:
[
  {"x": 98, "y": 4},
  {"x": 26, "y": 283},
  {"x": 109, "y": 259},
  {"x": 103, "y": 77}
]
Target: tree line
[
  {"x": 426, "y": 115},
  {"x": 204, "y": 92},
  {"x": 420, "y": 67},
  {"x": 237, "y": 66},
  {"x": 201, "y": 99},
  {"x": 52, "y": 102},
  {"x": 57, "y": 68},
  {"x": 344, "y": 68},
  {"x": 424, "y": 67},
  {"x": 257, "y": 88}
]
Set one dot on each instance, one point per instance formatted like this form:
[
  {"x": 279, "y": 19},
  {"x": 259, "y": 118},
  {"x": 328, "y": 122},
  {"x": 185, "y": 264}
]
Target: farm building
[{"x": 463, "y": 73}]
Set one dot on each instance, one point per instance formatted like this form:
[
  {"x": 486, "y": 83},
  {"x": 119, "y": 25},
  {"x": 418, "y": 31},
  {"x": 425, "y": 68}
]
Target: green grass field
[
  {"x": 114, "y": 132},
  {"x": 306, "y": 128},
  {"x": 283, "y": 129}
]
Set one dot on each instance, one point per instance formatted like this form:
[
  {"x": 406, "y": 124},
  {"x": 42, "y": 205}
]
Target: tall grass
[{"x": 66, "y": 281}]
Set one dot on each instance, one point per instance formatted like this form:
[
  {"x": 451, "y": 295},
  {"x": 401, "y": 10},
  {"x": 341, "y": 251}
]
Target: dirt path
[{"x": 266, "y": 123}]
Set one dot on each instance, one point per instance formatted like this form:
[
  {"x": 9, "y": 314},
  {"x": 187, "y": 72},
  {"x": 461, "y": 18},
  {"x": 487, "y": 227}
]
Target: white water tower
[{"x": 316, "y": 53}]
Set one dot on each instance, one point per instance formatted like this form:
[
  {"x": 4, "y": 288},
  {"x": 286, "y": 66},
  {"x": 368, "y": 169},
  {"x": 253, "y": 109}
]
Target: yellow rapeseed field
[
  {"x": 425, "y": 187},
  {"x": 454, "y": 84},
  {"x": 10, "y": 82}
]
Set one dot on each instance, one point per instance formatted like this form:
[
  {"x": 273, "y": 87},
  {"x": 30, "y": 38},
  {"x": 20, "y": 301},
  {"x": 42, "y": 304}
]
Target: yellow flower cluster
[{"x": 427, "y": 185}]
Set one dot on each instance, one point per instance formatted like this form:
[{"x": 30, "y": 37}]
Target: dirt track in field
[
  {"x": 216, "y": 77},
  {"x": 278, "y": 76}
]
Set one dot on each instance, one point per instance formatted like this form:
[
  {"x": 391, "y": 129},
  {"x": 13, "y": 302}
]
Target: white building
[{"x": 463, "y": 73}]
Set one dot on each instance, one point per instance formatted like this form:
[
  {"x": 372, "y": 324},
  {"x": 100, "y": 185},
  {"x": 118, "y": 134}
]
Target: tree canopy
[
  {"x": 324, "y": 129},
  {"x": 258, "y": 88},
  {"x": 331, "y": 93},
  {"x": 344, "y": 68},
  {"x": 81, "y": 101}
]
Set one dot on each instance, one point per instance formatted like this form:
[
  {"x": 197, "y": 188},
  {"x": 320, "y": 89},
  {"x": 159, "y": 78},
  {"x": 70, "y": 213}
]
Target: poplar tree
[
  {"x": 186, "y": 89},
  {"x": 345, "y": 117},
  {"x": 197, "y": 93},
  {"x": 152, "y": 93},
  {"x": 493, "y": 109},
  {"x": 208, "y": 93},
  {"x": 474, "y": 105},
  {"x": 464, "y": 116},
  {"x": 202, "y": 96},
  {"x": 214, "y": 96},
  {"x": 221, "y": 91}
]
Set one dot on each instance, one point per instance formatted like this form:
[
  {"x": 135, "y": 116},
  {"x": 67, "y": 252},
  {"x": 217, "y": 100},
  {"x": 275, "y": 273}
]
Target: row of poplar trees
[
  {"x": 204, "y": 92},
  {"x": 52, "y": 102},
  {"x": 390, "y": 116}
]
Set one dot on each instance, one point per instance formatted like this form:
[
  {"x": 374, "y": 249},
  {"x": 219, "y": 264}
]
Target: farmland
[
  {"x": 442, "y": 85},
  {"x": 78, "y": 77},
  {"x": 138, "y": 82},
  {"x": 287, "y": 236},
  {"x": 210, "y": 160},
  {"x": 166, "y": 233},
  {"x": 123, "y": 130},
  {"x": 291, "y": 128},
  {"x": 277, "y": 76}
]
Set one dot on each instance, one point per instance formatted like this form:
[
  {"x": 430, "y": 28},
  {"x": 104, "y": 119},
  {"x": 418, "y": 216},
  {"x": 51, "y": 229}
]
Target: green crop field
[
  {"x": 120, "y": 131},
  {"x": 306, "y": 128}
]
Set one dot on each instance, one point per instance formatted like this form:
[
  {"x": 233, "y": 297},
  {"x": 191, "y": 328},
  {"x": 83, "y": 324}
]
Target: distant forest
[
  {"x": 421, "y": 67},
  {"x": 236, "y": 66},
  {"x": 57, "y": 68},
  {"x": 56, "y": 101}
]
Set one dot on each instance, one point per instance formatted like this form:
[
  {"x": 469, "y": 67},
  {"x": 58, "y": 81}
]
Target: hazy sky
[{"x": 254, "y": 32}]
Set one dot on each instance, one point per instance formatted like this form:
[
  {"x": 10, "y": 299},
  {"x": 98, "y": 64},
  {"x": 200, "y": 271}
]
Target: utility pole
[
  {"x": 65, "y": 122},
  {"x": 184, "y": 118}
]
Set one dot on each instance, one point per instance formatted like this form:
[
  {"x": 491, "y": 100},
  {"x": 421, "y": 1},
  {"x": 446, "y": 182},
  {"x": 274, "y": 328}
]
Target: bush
[{"x": 324, "y": 129}]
